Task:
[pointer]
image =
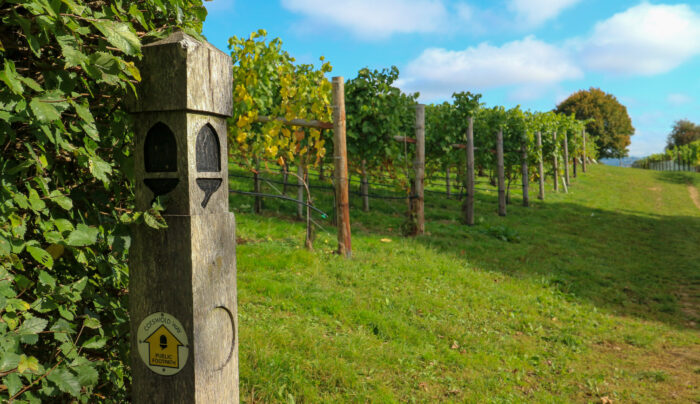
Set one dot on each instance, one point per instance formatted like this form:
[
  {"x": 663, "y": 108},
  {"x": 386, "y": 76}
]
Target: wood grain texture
[
  {"x": 340, "y": 175},
  {"x": 188, "y": 269}
]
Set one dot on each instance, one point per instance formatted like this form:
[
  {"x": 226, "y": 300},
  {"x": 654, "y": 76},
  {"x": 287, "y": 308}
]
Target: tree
[
  {"x": 610, "y": 126},
  {"x": 684, "y": 132}
]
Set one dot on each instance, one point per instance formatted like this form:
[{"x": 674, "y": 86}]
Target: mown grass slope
[{"x": 583, "y": 297}]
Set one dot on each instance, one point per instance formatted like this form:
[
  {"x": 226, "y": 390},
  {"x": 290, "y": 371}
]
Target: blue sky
[{"x": 532, "y": 53}]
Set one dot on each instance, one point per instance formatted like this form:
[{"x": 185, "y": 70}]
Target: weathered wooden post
[
  {"x": 300, "y": 188},
  {"x": 540, "y": 168},
  {"x": 340, "y": 174},
  {"x": 417, "y": 203},
  {"x": 258, "y": 204},
  {"x": 364, "y": 187},
  {"x": 555, "y": 164},
  {"x": 448, "y": 187},
  {"x": 567, "y": 179},
  {"x": 182, "y": 293},
  {"x": 525, "y": 174},
  {"x": 469, "y": 201},
  {"x": 501, "y": 174},
  {"x": 583, "y": 161}
]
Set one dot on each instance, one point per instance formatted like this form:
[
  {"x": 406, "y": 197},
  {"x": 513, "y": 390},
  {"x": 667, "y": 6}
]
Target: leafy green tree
[
  {"x": 683, "y": 132},
  {"x": 610, "y": 125},
  {"x": 66, "y": 199}
]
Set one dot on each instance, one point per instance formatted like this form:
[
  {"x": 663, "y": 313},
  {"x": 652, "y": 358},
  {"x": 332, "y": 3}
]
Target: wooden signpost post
[{"x": 182, "y": 294}]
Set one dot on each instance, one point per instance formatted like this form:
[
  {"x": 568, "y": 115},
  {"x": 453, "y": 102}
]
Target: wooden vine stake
[
  {"x": 583, "y": 162},
  {"x": 300, "y": 188},
  {"x": 501, "y": 174},
  {"x": 567, "y": 179},
  {"x": 418, "y": 201},
  {"x": 555, "y": 165},
  {"x": 469, "y": 200},
  {"x": 540, "y": 168},
  {"x": 340, "y": 174},
  {"x": 182, "y": 291},
  {"x": 525, "y": 174}
]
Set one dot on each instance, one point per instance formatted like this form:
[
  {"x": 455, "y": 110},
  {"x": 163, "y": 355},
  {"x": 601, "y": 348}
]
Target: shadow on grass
[
  {"x": 641, "y": 265},
  {"x": 678, "y": 177}
]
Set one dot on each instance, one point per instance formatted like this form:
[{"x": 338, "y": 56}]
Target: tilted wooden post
[
  {"x": 583, "y": 162},
  {"x": 575, "y": 164},
  {"x": 340, "y": 174},
  {"x": 469, "y": 200},
  {"x": 540, "y": 168},
  {"x": 555, "y": 164},
  {"x": 567, "y": 179},
  {"x": 418, "y": 201},
  {"x": 300, "y": 188},
  {"x": 501, "y": 174},
  {"x": 525, "y": 174},
  {"x": 182, "y": 291}
]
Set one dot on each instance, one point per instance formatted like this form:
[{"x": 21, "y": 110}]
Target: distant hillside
[{"x": 623, "y": 162}]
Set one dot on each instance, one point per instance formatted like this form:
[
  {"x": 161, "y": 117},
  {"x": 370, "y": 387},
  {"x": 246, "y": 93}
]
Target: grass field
[{"x": 590, "y": 296}]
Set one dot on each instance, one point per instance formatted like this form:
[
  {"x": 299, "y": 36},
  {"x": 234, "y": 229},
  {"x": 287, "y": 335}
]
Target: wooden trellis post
[
  {"x": 566, "y": 160},
  {"x": 340, "y": 174},
  {"x": 583, "y": 162},
  {"x": 501, "y": 174},
  {"x": 525, "y": 174},
  {"x": 555, "y": 164},
  {"x": 182, "y": 290},
  {"x": 540, "y": 168},
  {"x": 469, "y": 200},
  {"x": 418, "y": 201}
]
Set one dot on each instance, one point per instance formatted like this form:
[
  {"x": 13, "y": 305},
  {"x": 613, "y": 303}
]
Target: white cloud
[
  {"x": 643, "y": 40},
  {"x": 535, "y": 12},
  {"x": 678, "y": 99},
  {"x": 437, "y": 73},
  {"x": 375, "y": 18}
]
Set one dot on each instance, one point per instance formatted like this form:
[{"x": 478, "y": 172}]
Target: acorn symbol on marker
[{"x": 163, "y": 342}]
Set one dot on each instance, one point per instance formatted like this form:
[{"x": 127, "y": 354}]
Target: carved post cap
[{"x": 181, "y": 73}]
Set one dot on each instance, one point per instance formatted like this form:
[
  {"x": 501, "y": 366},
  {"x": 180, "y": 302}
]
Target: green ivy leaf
[
  {"x": 40, "y": 255},
  {"x": 5, "y": 247},
  {"x": 32, "y": 325},
  {"x": 92, "y": 322},
  {"x": 44, "y": 111},
  {"x": 100, "y": 169},
  {"x": 95, "y": 342},
  {"x": 120, "y": 35},
  {"x": 62, "y": 200},
  {"x": 9, "y": 361},
  {"x": 82, "y": 236},
  {"x": 65, "y": 381},
  {"x": 13, "y": 383},
  {"x": 27, "y": 363},
  {"x": 87, "y": 375},
  {"x": 46, "y": 279}
]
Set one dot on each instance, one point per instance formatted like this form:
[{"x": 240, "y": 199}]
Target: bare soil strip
[{"x": 694, "y": 195}]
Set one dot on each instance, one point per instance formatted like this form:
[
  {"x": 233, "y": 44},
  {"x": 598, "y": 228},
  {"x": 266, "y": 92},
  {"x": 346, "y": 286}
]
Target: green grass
[{"x": 585, "y": 295}]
